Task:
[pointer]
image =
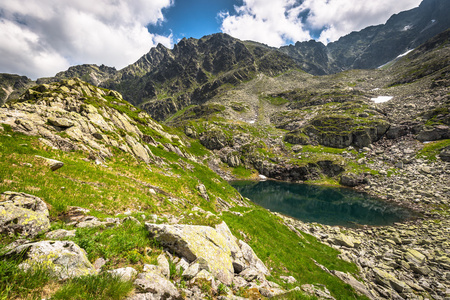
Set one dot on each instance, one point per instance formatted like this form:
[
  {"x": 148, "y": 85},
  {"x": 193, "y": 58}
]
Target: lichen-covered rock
[
  {"x": 24, "y": 214},
  {"x": 52, "y": 163},
  {"x": 252, "y": 259},
  {"x": 64, "y": 259},
  {"x": 60, "y": 234},
  {"x": 155, "y": 285},
  {"x": 193, "y": 242}
]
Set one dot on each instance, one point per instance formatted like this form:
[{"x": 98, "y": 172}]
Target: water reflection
[{"x": 325, "y": 205}]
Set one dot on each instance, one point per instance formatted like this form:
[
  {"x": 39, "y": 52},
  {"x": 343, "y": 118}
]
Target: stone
[
  {"x": 346, "y": 241},
  {"x": 251, "y": 274},
  {"x": 388, "y": 280},
  {"x": 182, "y": 264},
  {"x": 99, "y": 263},
  {"x": 252, "y": 259},
  {"x": 52, "y": 163},
  {"x": 125, "y": 274},
  {"x": 444, "y": 155},
  {"x": 288, "y": 279},
  {"x": 351, "y": 179},
  {"x": 64, "y": 259},
  {"x": 415, "y": 257},
  {"x": 357, "y": 285},
  {"x": 163, "y": 263},
  {"x": 24, "y": 214},
  {"x": 193, "y": 242},
  {"x": 60, "y": 122},
  {"x": 60, "y": 234},
  {"x": 157, "y": 285},
  {"x": 202, "y": 189}
]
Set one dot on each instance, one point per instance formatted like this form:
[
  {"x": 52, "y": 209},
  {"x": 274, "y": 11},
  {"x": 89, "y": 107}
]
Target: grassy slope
[{"x": 125, "y": 184}]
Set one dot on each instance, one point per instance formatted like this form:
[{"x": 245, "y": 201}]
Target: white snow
[
  {"x": 406, "y": 53},
  {"x": 407, "y": 27},
  {"x": 381, "y": 99}
]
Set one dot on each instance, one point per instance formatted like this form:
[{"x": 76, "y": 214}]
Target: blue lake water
[{"x": 325, "y": 205}]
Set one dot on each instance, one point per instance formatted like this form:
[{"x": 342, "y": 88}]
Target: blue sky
[
  {"x": 44, "y": 37},
  {"x": 192, "y": 18}
]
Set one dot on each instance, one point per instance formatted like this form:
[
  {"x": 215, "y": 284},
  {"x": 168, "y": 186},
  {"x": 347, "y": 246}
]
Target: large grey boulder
[
  {"x": 22, "y": 213},
  {"x": 64, "y": 259},
  {"x": 194, "y": 242}
]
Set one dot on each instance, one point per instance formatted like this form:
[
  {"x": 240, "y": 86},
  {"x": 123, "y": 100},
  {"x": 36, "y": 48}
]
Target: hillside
[{"x": 101, "y": 169}]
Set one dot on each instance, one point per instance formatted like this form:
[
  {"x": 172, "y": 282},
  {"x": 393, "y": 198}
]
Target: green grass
[
  {"x": 125, "y": 244},
  {"x": 290, "y": 254},
  {"x": 431, "y": 150},
  {"x": 94, "y": 287},
  {"x": 242, "y": 173},
  {"x": 17, "y": 283}
]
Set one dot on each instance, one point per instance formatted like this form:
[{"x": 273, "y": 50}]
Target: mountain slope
[{"x": 376, "y": 45}]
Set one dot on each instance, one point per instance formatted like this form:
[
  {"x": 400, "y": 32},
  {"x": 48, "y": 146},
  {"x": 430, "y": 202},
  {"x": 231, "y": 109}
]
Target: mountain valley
[{"x": 118, "y": 179}]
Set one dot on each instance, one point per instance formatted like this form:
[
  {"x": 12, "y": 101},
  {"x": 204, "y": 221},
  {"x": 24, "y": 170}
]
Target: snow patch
[
  {"x": 407, "y": 27},
  {"x": 406, "y": 53},
  {"x": 381, "y": 99}
]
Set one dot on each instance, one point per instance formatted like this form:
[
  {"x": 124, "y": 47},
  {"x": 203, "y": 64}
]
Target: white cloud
[
  {"x": 43, "y": 37},
  {"x": 272, "y": 22},
  {"x": 278, "y": 22},
  {"x": 340, "y": 17}
]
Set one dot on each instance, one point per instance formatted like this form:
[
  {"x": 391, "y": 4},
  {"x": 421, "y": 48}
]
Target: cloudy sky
[{"x": 42, "y": 37}]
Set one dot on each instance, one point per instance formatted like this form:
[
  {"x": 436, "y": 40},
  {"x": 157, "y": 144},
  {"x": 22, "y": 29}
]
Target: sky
[{"x": 42, "y": 37}]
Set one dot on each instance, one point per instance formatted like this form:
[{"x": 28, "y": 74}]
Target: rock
[
  {"x": 163, "y": 263},
  {"x": 158, "y": 286},
  {"x": 288, "y": 279},
  {"x": 24, "y": 214},
  {"x": 251, "y": 274},
  {"x": 125, "y": 274},
  {"x": 193, "y": 242},
  {"x": 191, "y": 271},
  {"x": 52, "y": 163},
  {"x": 132, "y": 219},
  {"x": 203, "y": 275},
  {"x": 388, "y": 280},
  {"x": 251, "y": 259},
  {"x": 346, "y": 241},
  {"x": 60, "y": 234},
  {"x": 182, "y": 264},
  {"x": 357, "y": 285},
  {"x": 60, "y": 122},
  {"x": 99, "y": 263},
  {"x": 445, "y": 154},
  {"x": 351, "y": 179},
  {"x": 64, "y": 259},
  {"x": 202, "y": 189},
  {"x": 415, "y": 257}
]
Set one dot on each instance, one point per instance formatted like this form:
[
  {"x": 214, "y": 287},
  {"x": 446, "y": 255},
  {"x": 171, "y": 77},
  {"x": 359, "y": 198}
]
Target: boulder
[
  {"x": 251, "y": 259},
  {"x": 52, "y": 163},
  {"x": 351, "y": 179},
  {"x": 24, "y": 214},
  {"x": 125, "y": 274},
  {"x": 445, "y": 154},
  {"x": 163, "y": 263},
  {"x": 60, "y": 122},
  {"x": 64, "y": 259},
  {"x": 386, "y": 279},
  {"x": 193, "y": 242},
  {"x": 60, "y": 234},
  {"x": 155, "y": 285}
]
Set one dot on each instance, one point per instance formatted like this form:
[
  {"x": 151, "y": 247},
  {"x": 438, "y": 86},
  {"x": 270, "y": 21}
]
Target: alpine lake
[{"x": 324, "y": 205}]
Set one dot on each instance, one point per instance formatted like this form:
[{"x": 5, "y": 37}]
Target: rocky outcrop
[
  {"x": 64, "y": 259},
  {"x": 197, "y": 242},
  {"x": 207, "y": 250},
  {"x": 73, "y": 115},
  {"x": 23, "y": 214}
]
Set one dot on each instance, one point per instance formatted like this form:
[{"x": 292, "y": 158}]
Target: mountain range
[{"x": 163, "y": 81}]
